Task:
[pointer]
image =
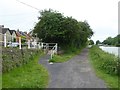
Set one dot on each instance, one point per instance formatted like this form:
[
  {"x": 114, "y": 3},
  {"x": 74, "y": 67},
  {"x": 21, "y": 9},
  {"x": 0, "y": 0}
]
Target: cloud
[{"x": 102, "y": 15}]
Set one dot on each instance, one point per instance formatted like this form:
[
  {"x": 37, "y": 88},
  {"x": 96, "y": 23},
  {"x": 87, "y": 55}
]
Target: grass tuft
[{"x": 67, "y": 55}]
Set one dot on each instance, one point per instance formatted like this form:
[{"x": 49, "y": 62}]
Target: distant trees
[
  {"x": 112, "y": 41},
  {"x": 66, "y": 31},
  {"x": 98, "y": 42},
  {"x": 108, "y": 41},
  {"x": 91, "y": 42}
]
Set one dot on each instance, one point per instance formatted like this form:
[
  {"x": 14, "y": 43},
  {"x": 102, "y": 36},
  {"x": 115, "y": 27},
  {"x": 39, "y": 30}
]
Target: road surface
[{"x": 75, "y": 73}]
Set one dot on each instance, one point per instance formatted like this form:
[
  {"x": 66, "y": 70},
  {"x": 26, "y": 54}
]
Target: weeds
[{"x": 107, "y": 66}]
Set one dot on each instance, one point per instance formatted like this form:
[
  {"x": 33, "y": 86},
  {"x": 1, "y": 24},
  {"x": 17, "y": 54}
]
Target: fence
[
  {"x": 47, "y": 47},
  {"x": 50, "y": 48},
  {"x": 27, "y": 44}
]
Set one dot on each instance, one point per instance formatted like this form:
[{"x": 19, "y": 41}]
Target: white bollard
[
  {"x": 39, "y": 45},
  {"x": 42, "y": 45},
  {"x": 56, "y": 48},
  {"x": 28, "y": 44},
  {"x": 51, "y": 54},
  {"x": 19, "y": 42},
  {"x": 5, "y": 40}
]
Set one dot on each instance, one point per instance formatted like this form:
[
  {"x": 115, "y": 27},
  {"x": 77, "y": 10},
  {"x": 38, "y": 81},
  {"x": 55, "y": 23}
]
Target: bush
[{"x": 14, "y": 57}]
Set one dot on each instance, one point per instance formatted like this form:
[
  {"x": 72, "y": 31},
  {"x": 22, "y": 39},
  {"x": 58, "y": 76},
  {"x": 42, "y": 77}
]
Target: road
[{"x": 75, "y": 73}]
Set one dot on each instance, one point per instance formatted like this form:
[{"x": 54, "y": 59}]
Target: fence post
[
  {"x": 28, "y": 44},
  {"x": 56, "y": 48},
  {"x": 5, "y": 40},
  {"x": 34, "y": 43},
  {"x": 19, "y": 42},
  {"x": 44, "y": 47},
  {"x": 41, "y": 44},
  {"x": 51, "y": 54}
]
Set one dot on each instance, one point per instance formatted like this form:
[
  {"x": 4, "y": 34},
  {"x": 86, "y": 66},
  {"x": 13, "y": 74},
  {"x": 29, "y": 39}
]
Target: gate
[{"x": 50, "y": 48}]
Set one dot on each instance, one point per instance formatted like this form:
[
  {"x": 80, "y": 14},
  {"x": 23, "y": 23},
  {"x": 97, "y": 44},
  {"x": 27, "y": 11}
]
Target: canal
[{"x": 112, "y": 50}]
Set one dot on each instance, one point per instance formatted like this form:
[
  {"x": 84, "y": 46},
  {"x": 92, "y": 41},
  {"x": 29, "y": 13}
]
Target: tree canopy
[
  {"x": 91, "y": 42},
  {"x": 98, "y": 42},
  {"x": 112, "y": 41},
  {"x": 54, "y": 27}
]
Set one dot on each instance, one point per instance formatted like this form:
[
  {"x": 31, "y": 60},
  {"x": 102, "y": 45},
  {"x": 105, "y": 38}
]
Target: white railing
[
  {"x": 53, "y": 51},
  {"x": 50, "y": 48},
  {"x": 47, "y": 47}
]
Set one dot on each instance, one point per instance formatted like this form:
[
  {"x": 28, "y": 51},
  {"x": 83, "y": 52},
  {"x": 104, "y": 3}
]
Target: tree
[
  {"x": 91, "y": 42},
  {"x": 98, "y": 42},
  {"x": 115, "y": 41},
  {"x": 66, "y": 31},
  {"x": 108, "y": 41}
]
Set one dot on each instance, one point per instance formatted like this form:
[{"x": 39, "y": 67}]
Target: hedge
[{"x": 14, "y": 57}]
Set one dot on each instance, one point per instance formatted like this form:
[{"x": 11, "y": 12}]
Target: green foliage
[
  {"x": 0, "y": 81},
  {"x": 112, "y": 41},
  {"x": 60, "y": 58},
  {"x": 108, "y": 41},
  {"x": 107, "y": 67},
  {"x": 105, "y": 61},
  {"x": 31, "y": 75},
  {"x": 14, "y": 57},
  {"x": 98, "y": 42},
  {"x": 67, "y": 55},
  {"x": 91, "y": 42},
  {"x": 66, "y": 31}
]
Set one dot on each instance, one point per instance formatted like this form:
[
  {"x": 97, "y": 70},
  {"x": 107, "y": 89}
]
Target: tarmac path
[{"x": 75, "y": 73}]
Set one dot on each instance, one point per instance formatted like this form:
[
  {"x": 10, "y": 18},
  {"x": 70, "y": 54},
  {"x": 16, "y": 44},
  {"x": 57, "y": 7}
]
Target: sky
[{"x": 102, "y": 15}]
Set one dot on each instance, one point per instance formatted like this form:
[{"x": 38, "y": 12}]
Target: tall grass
[
  {"x": 107, "y": 62},
  {"x": 106, "y": 65},
  {"x": 0, "y": 81}
]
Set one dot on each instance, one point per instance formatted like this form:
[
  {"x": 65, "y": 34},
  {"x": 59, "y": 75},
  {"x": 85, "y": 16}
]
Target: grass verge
[
  {"x": 31, "y": 75},
  {"x": 67, "y": 55},
  {"x": 0, "y": 81},
  {"x": 101, "y": 62}
]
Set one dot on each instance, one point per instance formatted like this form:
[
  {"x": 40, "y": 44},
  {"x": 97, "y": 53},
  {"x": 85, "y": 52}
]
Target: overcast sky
[{"x": 102, "y": 15}]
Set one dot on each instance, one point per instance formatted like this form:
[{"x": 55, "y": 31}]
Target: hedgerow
[{"x": 14, "y": 57}]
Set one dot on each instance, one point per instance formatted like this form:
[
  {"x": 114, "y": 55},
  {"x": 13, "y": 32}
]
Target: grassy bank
[
  {"x": 106, "y": 66},
  {"x": 31, "y": 75},
  {"x": 67, "y": 55},
  {"x": 0, "y": 81}
]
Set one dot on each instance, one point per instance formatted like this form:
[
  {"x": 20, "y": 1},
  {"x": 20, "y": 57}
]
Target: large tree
[{"x": 54, "y": 27}]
